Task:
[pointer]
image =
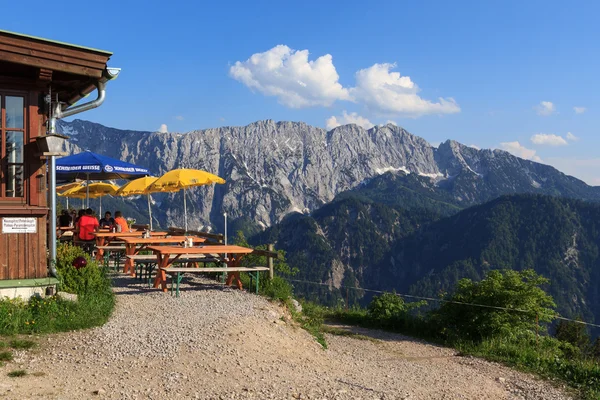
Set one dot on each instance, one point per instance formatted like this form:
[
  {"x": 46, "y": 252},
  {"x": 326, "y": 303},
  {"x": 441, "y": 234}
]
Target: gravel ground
[{"x": 215, "y": 343}]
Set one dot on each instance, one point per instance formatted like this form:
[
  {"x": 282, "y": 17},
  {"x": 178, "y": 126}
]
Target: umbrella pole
[
  {"x": 150, "y": 211},
  {"x": 87, "y": 191},
  {"x": 100, "y": 206},
  {"x": 67, "y": 202},
  {"x": 184, "y": 211}
]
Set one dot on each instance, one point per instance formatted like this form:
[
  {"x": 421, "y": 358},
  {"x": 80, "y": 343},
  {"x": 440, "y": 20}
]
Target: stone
[
  {"x": 99, "y": 392},
  {"x": 66, "y": 296},
  {"x": 500, "y": 379},
  {"x": 297, "y": 306}
]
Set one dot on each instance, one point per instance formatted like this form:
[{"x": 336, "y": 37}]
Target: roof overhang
[{"x": 70, "y": 70}]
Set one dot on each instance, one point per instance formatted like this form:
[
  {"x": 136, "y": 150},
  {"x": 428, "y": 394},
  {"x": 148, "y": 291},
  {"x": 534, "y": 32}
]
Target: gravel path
[{"x": 224, "y": 344}]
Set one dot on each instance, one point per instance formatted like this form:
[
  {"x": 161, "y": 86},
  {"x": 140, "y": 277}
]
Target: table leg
[
  {"x": 161, "y": 276},
  {"x": 234, "y": 262},
  {"x": 129, "y": 251},
  {"x": 99, "y": 242}
]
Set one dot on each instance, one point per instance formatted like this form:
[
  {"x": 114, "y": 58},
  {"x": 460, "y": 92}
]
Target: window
[{"x": 12, "y": 141}]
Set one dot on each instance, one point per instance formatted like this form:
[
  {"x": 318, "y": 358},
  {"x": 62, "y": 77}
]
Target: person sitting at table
[
  {"x": 80, "y": 214},
  {"x": 121, "y": 222},
  {"x": 73, "y": 214},
  {"x": 64, "y": 219},
  {"x": 86, "y": 226},
  {"x": 108, "y": 221}
]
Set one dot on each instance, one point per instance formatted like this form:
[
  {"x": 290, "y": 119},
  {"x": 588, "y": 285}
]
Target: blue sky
[{"x": 474, "y": 71}]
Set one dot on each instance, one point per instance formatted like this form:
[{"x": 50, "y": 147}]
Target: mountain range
[{"x": 275, "y": 168}]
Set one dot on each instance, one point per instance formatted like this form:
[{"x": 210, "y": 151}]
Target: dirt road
[{"x": 225, "y": 344}]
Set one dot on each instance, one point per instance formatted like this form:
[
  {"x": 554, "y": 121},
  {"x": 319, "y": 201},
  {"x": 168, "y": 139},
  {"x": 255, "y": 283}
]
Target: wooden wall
[{"x": 24, "y": 255}]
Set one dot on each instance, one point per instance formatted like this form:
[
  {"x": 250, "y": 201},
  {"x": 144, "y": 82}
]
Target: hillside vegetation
[{"x": 395, "y": 233}]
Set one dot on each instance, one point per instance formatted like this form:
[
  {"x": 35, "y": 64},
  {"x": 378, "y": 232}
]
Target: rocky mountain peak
[{"x": 274, "y": 168}]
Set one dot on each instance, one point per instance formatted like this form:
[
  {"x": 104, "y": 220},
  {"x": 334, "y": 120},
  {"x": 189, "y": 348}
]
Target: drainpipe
[{"x": 57, "y": 113}]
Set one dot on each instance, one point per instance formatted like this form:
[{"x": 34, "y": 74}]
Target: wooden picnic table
[
  {"x": 133, "y": 245},
  {"x": 167, "y": 255},
  {"x": 104, "y": 238}
]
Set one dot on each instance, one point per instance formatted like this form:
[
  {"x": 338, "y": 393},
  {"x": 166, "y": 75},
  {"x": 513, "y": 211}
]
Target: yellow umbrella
[
  {"x": 68, "y": 186},
  {"x": 93, "y": 191},
  {"x": 178, "y": 179},
  {"x": 138, "y": 187}
]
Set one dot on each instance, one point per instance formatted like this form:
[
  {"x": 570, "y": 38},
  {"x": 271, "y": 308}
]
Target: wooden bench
[
  {"x": 118, "y": 251},
  {"x": 111, "y": 248},
  {"x": 146, "y": 263},
  {"x": 176, "y": 273}
]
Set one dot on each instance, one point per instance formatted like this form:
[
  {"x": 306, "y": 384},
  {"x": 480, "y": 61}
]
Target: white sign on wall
[{"x": 19, "y": 225}]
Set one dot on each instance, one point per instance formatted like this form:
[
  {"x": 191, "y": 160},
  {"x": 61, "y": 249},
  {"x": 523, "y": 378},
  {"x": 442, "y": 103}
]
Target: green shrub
[
  {"x": 17, "y": 373},
  {"x": 277, "y": 288},
  {"x": 517, "y": 294},
  {"x": 89, "y": 279}
]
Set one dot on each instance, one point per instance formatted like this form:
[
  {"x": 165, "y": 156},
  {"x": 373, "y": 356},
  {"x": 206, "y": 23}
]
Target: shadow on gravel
[
  {"x": 376, "y": 334},
  {"x": 128, "y": 285}
]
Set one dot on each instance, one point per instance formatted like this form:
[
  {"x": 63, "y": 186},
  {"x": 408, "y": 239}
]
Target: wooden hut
[{"x": 36, "y": 76}]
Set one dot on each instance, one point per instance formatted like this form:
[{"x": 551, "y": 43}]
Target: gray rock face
[{"x": 274, "y": 168}]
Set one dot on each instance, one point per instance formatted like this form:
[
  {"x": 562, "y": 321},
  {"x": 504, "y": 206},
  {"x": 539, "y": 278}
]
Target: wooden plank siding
[{"x": 23, "y": 255}]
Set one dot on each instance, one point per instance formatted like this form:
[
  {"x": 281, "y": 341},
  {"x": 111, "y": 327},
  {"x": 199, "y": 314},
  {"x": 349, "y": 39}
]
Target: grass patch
[
  {"x": 22, "y": 344},
  {"x": 547, "y": 357},
  {"x": 39, "y": 373},
  {"x": 17, "y": 373},
  {"x": 53, "y": 314},
  {"x": 6, "y": 356},
  {"x": 310, "y": 319},
  {"x": 49, "y": 315}
]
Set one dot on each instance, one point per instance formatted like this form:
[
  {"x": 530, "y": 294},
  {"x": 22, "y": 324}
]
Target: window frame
[{"x": 4, "y": 164}]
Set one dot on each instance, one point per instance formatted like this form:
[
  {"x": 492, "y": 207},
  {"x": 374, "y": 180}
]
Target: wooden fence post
[{"x": 270, "y": 261}]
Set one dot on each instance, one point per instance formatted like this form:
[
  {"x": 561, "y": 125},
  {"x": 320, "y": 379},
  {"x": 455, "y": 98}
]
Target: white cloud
[
  {"x": 475, "y": 147},
  {"x": 390, "y": 93},
  {"x": 579, "y": 110},
  {"x": 571, "y": 137},
  {"x": 389, "y": 121},
  {"x": 288, "y": 75},
  {"x": 179, "y": 117},
  {"x": 545, "y": 108},
  {"x": 548, "y": 139},
  {"x": 518, "y": 150},
  {"x": 352, "y": 118},
  {"x": 163, "y": 128}
]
